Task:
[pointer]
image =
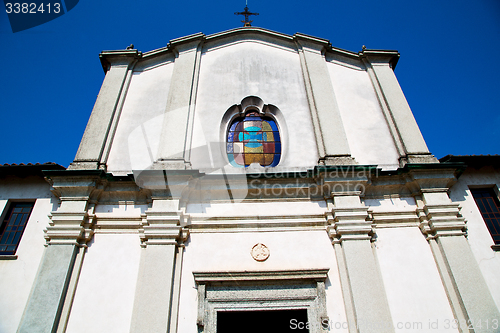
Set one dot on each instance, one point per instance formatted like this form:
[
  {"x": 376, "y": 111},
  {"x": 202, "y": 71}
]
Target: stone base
[
  {"x": 84, "y": 165},
  {"x": 417, "y": 158},
  {"x": 171, "y": 165},
  {"x": 337, "y": 160}
]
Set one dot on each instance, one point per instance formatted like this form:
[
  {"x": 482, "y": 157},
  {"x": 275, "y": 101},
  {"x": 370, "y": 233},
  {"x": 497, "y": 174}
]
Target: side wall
[
  {"x": 479, "y": 237},
  {"x": 18, "y": 276}
]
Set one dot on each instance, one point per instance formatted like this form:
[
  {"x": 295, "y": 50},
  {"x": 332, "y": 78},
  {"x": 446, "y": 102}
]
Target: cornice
[
  {"x": 249, "y": 30},
  {"x": 118, "y": 58},
  {"x": 381, "y": 57},
  {"x": 250, "y": 276},
  {"x": 311, "y": 42}
]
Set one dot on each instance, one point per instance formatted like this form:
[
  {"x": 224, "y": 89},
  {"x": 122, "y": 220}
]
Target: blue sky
[{"x": 448, "y": 69}]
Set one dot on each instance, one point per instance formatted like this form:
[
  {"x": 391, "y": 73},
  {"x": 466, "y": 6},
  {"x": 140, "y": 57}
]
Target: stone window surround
[
  {"x": 261, "y": 290},
  {"x": 3, "y": 217},
  {"x": 496, "y": 191}
]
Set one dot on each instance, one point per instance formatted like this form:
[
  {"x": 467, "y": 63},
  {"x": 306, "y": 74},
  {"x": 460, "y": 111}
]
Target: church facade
[{"x": 248, "y": 178}]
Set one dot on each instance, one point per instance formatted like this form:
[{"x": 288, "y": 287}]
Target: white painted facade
[
  {"x": 152, "y": 230},
  {"x": 229, "y": 70},
  {"x": 478, "y": 235},
  {"x": 367, "y": 131},
  {"x": 18, "y": 275}
]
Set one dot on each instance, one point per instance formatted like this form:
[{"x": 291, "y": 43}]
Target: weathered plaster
[
  {"x": 229, "y": 74},
  {"x": 107, "y": 282},
  {"x": 231, "y": 252},
  {"x": 17, "y": 276},
  {"x": 137, "y": 138},
  {"x": 478, "y": 235},
  {"x": 410, "y": 276},
  {"x": 366, "y": 129}
]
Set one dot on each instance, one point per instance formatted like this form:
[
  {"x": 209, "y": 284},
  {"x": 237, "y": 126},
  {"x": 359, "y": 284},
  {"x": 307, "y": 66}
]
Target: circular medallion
[{"x": 260, "y": 252}]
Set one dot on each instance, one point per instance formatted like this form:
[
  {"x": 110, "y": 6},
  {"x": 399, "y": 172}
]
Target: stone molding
[
  {"x": 164, "y": 228},
  {"x": 250, "y": 276},
  {"x": 388, "y": 219},
  {"x": 437, "y": 214},
  {"x": 123, "y": 58},
  {"x": 200, "y": 223},
  {"x": 70, "y": 223},
  {"x": 253, "y": 290},
  {"x": 348, "y": 218},
  {"x": 417, "y": 158},
  {"x": 69, "y": 228},
  {"x": 349, "y": 224},
  {"x": 113, "y": 223},
  {"x": 442, "y": 220}
]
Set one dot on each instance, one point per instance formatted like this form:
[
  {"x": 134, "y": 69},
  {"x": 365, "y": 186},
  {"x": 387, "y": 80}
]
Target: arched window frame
[{"x": 254, "y": 104}]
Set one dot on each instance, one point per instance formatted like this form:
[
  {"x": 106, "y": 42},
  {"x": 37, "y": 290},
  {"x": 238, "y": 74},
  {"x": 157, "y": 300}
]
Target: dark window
[
  {"x": 13, "y": 226},
  {"x": 253, "y": 139},
  {"x": 271, "y": 321},
  {"x": 488, "y": 205}
]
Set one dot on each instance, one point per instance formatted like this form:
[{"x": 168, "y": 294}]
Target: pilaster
[
  {"x": 401, "y": 122},
  {"x": 445, "y": 230},
  {"x": 331, "y": 139},
  {"x": 116, "y": 64},
  {"x": 162, "y": 236},
  {"x": 364, "y": 296},
  {"x": 177, "y": 125},
  {"x": 69, "y": 230}
]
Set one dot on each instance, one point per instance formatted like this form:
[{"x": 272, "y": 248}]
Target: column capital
[
  {"x": 429, "y": 178},
  {"x": 70, "y": 223},
  {"x": 381, "y": 57},
  {"x": 441, "y": 220},
  {"x": 69, "y": 228},
  {"x": 349, "y": 219},
  {"x": 162, "y": 225},
  {"x": 71, "y": 185},
  {"x": 118, "y": 58}
]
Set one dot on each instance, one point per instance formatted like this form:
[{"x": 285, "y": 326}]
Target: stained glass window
[{"x": 253, "y": 139}]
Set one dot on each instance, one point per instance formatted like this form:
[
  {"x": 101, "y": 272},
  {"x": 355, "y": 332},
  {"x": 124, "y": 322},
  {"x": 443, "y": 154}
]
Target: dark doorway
[{"x": 270, "y": 321}]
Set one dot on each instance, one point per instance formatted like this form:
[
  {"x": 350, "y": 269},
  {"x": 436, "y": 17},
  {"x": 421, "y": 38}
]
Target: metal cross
[{"x": 246, "y": 23}]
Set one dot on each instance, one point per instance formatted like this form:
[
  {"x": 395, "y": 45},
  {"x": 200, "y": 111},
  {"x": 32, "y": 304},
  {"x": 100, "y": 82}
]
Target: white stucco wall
[
  {"x": 105, "y": 294},
  {"x": 417, "y": 299},
  {"x": 255, "y": 209},
  {"x": 17, "y": 276},
  {"x": 478, "y": 235},
  {"x": 396, "y": 204},
  {"x": 122, "y": 209},
  {"x": 231, "y": 73},
  {"x": 366, "y": 129},
  {"x": 231, "y": 252},
  {"x": 135, "y": 145}
]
